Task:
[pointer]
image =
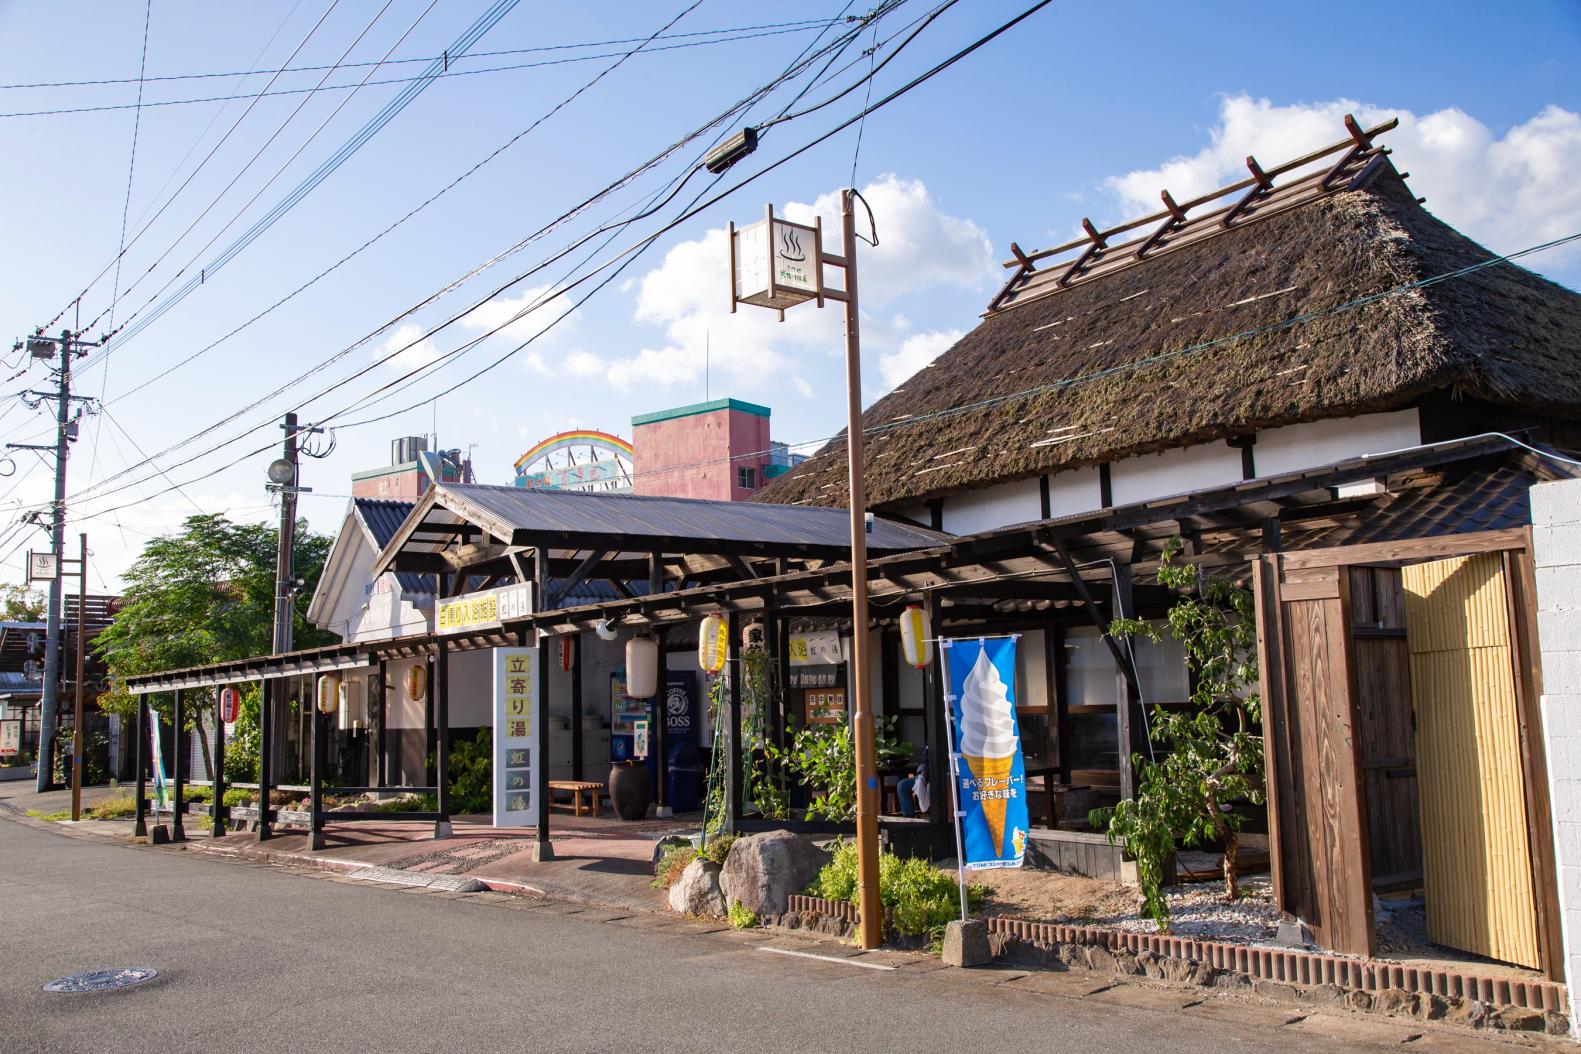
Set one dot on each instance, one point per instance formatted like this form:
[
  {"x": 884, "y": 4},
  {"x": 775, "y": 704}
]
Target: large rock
[
  {"x": 697, "y": 891},
  {"x": 763, "y": 870}
]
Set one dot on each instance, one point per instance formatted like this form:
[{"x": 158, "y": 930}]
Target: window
[{"x": 747, "y": 478}]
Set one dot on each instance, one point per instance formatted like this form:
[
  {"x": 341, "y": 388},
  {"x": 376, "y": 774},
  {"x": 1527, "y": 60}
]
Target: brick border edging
[{"x": 1284, "y": 966}]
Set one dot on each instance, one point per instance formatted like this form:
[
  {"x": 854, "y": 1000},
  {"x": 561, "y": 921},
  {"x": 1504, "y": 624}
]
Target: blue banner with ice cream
[{"x": 990, "y": 773}]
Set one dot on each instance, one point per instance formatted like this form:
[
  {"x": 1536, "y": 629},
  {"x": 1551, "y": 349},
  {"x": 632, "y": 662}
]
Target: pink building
[
  {"x": 719, "y": 449},
  {"x": 413, "y": 467}
]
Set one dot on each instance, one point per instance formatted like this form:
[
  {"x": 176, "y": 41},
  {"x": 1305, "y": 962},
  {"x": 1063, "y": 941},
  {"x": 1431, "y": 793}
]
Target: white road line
[{"x": 826, "y": 958}]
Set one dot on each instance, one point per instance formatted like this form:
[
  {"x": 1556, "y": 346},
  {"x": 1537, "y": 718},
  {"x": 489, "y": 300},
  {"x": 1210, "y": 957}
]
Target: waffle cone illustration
[
  {"x": 988, "y": 742},
  {"x": 992, "y": 774}
]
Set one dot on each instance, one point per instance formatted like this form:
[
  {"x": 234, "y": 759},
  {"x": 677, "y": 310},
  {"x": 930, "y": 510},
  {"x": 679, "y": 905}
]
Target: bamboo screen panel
[{"x": 1476, "y": 859}]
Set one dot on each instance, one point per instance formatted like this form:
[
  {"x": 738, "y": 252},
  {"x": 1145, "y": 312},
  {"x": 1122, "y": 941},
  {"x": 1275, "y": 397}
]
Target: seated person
[{"x": 912, "y": 790}]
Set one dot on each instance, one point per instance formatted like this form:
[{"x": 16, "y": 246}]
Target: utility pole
[
  {"x": 77, "y": 766},
  {"x": 771, "y": 266},
  {"x": 284, "y": 569},
  {"x": 41, "y": 347}
]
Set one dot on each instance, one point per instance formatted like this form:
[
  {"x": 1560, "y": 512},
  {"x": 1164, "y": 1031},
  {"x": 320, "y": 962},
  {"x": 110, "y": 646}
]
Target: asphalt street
[{"x": 255, "y": 957}]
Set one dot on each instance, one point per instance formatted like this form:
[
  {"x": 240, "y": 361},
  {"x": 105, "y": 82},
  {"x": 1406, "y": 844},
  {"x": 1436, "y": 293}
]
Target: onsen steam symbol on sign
[{"x": 790, "y": 246}]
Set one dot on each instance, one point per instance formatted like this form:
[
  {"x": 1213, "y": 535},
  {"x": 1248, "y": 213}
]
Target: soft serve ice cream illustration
[{"x": 988, "y": 741}]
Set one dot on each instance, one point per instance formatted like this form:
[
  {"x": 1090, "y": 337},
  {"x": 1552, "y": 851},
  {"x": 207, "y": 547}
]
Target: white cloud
[
  {"x": 406, "y": 349},
  {"x": 581, "y": 363},
  {"x": 536, "y": 308},
  {"x": 1507, "y": 192},
  {"x": 914, "y": 353},
  {"x": 921, "y": 249}
]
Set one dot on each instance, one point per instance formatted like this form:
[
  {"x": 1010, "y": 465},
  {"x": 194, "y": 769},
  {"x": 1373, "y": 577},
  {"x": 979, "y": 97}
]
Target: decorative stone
[
  {"x": 697, "y": 891},
  {"x": 763, "y": 870},
  {"x": 966, "y": 943}
]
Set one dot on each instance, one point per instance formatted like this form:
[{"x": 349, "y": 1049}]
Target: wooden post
[
  {"x": 872, "y": 922},
  {"x": 938, "y": 750},
  {"x": 440, "y": 694},
  {"x": 140, "y": 830},
  {"x": 773, "y": 636},
  {"x": 543, "y": 848},
  {"x": 267, "y": 693},
  {"x": 430, "y": 740},
  {"x": 1132, "y": 734},
  {"x": 217, "y": 813},
  {"x": 178, "y": 831},
  {"x": 77, "y": 737},
  {"x": 315, "y": 781},
  {"x": 577, "y": 749},
  {"x": 733, "y": 795},
  {"x": 383, "y": 777},
  {"x": 656, "y": 741}
]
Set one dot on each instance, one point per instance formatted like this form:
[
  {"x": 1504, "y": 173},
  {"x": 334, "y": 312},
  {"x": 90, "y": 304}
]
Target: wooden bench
[{"x": 577, "y": 789}]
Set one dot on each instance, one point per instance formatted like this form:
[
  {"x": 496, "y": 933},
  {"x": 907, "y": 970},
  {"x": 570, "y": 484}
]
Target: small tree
[
  {"x": 1213, "y": 750},
  {"x": 203, "y": 595},
  {"x": 21, "y": 604}
]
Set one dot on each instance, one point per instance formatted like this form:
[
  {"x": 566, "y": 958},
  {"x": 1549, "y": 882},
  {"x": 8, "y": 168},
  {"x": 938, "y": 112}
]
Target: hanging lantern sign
[
  {"x": 775, "y": 263},
  {"x": 417, "y": 682},
  {"x": 642, "y": 667},
  {"x": 916, "y": 636},
  {"x": 328, "y": 693},
  {"x": 567, "y": 653},
  {"x": 712, "y": 644},
  {"x": 230, "y": 704}
]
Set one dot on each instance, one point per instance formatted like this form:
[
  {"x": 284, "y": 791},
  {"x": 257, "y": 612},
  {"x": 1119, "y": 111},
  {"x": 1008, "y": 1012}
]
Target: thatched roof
[{"x": 1500, "y": 334}]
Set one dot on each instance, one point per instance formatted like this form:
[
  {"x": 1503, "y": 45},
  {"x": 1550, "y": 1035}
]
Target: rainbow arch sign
[{"x": 578, "y": 460}]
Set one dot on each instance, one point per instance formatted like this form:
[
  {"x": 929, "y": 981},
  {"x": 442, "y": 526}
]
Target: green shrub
[
  {"x": 118, "y": 808},
  {"x": 238, "y": 796},
  {"x": 718, "y": 848},
  {"x": 198, "y": 795},
  {"x": 672, "y": 861},
  {"x": 471, "y": 773},
  {"x": 742, "y": 917},
  {"x": 921, "y": 898}
]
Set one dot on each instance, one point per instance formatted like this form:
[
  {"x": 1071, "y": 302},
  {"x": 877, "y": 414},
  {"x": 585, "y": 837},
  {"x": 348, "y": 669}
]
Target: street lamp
[{"x": 778, "y": 264}]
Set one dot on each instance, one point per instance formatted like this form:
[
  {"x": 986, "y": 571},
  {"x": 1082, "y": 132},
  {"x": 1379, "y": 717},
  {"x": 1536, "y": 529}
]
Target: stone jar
[{"x": 630, "y": 790}]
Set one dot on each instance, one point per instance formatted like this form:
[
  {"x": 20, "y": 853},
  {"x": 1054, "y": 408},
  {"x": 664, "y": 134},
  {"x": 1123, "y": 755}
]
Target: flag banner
[{"x": 990, "y": 773}]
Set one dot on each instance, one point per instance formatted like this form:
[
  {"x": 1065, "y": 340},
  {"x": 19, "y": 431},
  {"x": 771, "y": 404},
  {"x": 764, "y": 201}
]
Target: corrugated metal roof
[
  {"x": 381, "y": 518},
  {"x": 670, "y": 520}
]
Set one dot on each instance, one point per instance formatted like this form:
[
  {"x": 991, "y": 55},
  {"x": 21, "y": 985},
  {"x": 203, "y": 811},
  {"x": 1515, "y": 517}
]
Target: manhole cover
[{"x": 101, "y": 980}]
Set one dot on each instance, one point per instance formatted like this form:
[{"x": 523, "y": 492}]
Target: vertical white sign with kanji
[{"x": 515, "y": 742}]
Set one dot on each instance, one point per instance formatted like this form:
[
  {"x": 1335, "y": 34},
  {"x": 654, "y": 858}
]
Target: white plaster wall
[
  {"x": 1075, "y": 491},
  {"x": 1324, "y": 442},
  {"x": 1150, "y": 476},
  {"x": 998, "y": 506},
  {"x": 1556, "y": 538},
  {"x": 401, "y": 711}
]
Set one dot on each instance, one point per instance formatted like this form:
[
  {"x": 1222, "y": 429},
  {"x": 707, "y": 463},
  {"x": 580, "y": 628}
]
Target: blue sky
[{"x": 1084, "y": 110}]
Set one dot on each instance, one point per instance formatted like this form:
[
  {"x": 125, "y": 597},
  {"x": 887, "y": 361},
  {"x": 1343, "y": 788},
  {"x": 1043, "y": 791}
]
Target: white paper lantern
[
  {"x": 328, "y": 693},
  {"x": 916, "y": 636},
  {"x": 712, "y": 644},
  {"x": 642, "y": 667}
]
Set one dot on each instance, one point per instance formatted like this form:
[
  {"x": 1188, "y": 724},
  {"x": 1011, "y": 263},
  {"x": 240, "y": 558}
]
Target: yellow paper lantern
[
  {"x": 328, "y": 694},
  {"x": 417, "y": 682},
  {"x": 916, "y": 636},
  {"x": 713, "y": 645}
]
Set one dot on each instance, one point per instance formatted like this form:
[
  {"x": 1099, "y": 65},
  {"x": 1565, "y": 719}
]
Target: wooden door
[
  {"x": 1386, "y": 729},
  {"x": 1321, "y": 865},
  {"x": 1477, "y": 858}
]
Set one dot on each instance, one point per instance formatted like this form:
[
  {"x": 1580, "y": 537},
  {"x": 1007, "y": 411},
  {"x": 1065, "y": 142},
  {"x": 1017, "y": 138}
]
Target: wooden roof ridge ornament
[
  {"x": 769, "y": 268},
  {"x": 1263, "y": 191}
]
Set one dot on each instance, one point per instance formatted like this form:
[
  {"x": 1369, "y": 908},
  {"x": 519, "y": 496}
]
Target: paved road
[{"x": 259, "y": 958}]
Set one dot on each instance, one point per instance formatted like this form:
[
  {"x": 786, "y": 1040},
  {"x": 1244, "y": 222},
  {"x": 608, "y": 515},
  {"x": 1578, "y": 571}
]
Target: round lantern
[
  {"x": 328, "y": 694},
  {"x": 712, "y": 644},
  {"x": 417, "y": 682},
  {"x": 916, "y": 635},
  {"x": 567, "y": 653},
  {"x": 230, "y": 704},
  {"x": 642, "y": 668}
]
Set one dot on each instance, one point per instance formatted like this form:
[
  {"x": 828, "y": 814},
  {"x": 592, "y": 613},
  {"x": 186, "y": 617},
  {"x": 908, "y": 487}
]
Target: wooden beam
[
  {"x": 1413, "y": 549},
  {"x": 576, "y": 578}
]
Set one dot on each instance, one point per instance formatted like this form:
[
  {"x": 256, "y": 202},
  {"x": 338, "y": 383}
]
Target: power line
[
  {"x": 190, "y": 176},
  {"x": 795, "y": 69},
  {"x": 404, "y": 98},
  {"x": 254, "y": 159},
  {"x": 809, "y": 23},
  {"x": 131, "y": 164}
]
